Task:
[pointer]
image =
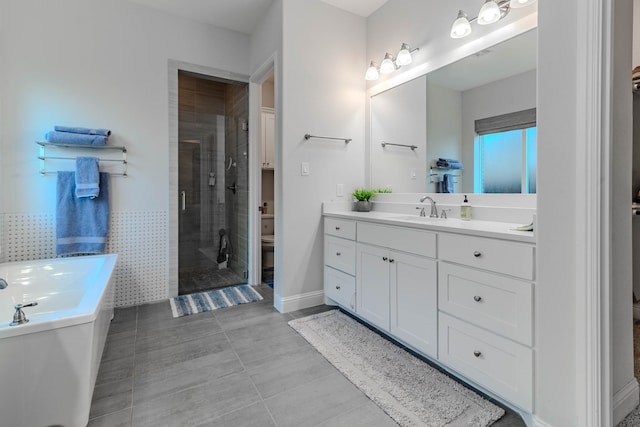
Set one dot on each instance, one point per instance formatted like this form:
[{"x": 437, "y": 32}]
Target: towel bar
[
  {"x": 413, "y": 147},
  {"x": 308, "y": 136},
  {"x": 43, "y": 157}
]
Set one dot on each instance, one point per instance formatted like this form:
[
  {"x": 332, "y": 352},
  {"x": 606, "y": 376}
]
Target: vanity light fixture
[
  {"x": 490, "y": 12},
  {"x": 389, "y": 64}
]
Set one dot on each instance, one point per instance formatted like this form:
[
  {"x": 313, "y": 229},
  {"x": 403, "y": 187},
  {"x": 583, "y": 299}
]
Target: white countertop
[{"x": 499, "y": 230}]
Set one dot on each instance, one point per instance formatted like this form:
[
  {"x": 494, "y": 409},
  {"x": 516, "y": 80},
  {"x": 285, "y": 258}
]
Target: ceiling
[{"x": 243, "y": 15}]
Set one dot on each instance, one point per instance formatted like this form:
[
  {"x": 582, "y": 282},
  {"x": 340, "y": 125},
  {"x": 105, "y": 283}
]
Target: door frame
[{"x": 173, "y": 67}]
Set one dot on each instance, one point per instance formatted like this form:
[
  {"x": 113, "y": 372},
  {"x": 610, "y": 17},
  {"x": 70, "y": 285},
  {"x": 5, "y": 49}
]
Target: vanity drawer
[
  {"x": 412, "y": 240},
  {"x": 340, "y": 287},
  {"x": 500, "y": 304},
  {"x": 496, "y": 363},
  {"x": 340, "y": 254},
  {"x": 340, "y": 228},
  {"x": 511, "y": 258}
]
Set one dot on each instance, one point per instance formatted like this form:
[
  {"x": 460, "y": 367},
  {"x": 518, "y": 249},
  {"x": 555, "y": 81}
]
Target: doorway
[{"x": 212, "y": 182}]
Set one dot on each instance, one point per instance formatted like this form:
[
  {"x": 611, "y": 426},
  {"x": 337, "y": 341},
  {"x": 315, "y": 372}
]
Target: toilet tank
[{"x": 267, "y": 224}]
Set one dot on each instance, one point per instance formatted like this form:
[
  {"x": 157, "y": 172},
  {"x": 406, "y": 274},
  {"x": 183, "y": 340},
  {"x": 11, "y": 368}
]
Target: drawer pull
[
  {"x": 477, "y": 298},
  {"x": 337, "y": 228},
  {"x": 338, "y": 254},
  {"x": 338, "y": 287},
  {"x": 384, "y": 258},
  {"x": 477, "y": 353},
  {"x": 392, "y": 260},
  {"x": 477, "y": 254}
]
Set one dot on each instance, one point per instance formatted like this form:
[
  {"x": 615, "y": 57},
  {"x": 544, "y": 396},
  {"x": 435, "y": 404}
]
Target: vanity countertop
[{"x": 493, "y": 229}]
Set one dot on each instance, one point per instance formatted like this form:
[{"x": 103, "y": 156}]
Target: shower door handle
[{"x": 183, "y": 200}]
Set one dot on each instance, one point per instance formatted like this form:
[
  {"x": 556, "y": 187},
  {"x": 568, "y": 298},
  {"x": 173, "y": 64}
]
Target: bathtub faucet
[
  {"x": 3, "y": 284},
  {"x": 18, "y": 317}
]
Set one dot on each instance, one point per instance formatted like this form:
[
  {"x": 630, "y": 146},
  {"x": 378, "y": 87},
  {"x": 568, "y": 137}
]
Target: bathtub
[{"x": 48, "y": 366}]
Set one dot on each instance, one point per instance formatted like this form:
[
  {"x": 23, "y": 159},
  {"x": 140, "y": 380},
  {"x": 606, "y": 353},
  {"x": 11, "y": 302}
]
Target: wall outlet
[
  {"x": 339, "y": 190},
  {"x": 413, "y": 173},
  {"x": 304, "y": 169}
]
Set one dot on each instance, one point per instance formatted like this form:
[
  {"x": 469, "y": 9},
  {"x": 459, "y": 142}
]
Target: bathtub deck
[{"x": 241, "y": 366}]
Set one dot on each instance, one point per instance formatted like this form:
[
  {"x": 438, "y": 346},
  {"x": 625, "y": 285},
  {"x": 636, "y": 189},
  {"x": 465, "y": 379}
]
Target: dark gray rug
[{"x": 405, "y": 387}]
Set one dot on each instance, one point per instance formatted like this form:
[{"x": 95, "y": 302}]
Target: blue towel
[
  {"x": 81, "y": 224},
  {"x": 87, "y": 177},
  {"x": 75, "y": 138},
  {"x": 447, "y": 183},
  {"x": 86, "y": 131}
]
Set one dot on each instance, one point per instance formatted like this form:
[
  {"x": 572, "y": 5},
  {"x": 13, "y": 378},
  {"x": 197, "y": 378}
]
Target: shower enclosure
[{"x": 213, "y": 182}]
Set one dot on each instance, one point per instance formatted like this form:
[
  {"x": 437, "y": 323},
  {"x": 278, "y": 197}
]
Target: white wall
[
  {"x": 99, "y": 63},
  {"x": 319, "y": 99}
]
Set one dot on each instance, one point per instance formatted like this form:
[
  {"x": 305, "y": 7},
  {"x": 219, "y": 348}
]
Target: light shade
[
  {"x": 489, "y": 13},
  {"x": 387, "y": 65},
  {"x": 404, "y": 56},
  {"x": 520, "y": 3},
  {"x": 461, "y": 26},
  {"x": 372, "y": 72}
]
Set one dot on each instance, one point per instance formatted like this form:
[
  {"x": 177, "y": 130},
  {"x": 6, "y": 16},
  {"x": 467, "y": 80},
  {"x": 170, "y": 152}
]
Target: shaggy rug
[
  {"x": 405, "y": 387},
  {"x": 185, "y": 305}
]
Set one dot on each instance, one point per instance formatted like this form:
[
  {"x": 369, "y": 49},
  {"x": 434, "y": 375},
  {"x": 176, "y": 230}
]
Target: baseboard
[
  {"x": 298, "y": 302},
  {"x": 537, "y": 422},
  {"x": 625, "y": 401}
]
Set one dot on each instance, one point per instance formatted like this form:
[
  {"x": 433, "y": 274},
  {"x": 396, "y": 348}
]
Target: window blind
[{"x": 505, "y": 122}]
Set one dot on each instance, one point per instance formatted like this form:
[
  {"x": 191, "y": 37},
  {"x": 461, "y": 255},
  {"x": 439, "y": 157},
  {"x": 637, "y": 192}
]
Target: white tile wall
[{"x": 139, "y": 238}]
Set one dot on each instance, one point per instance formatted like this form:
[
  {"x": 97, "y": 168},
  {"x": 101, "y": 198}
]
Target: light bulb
[
  {"x": 404, "y": 56},
  {"x": 489, "y": 13},
  {"x": 461, "y": 26},
  {"x": 520, "y": 3},
  {"x": 372, "y": 72},
  {"x": 387, "y": 65}
]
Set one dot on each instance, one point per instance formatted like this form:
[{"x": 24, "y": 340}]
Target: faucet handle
[
  {"x": 443, "y": 212},
  {"x": 422, "y": 213},
  {"x": 19, "y": 317}
]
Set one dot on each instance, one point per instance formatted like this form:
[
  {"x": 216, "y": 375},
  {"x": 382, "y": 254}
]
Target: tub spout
[{"x": 3, "y": 284}]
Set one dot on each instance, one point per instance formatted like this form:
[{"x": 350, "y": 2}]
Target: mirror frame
[{"x": 471, "y": 47}]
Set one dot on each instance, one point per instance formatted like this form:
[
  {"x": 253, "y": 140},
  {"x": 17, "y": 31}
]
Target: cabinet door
[
  {"x": 372, "y": 284},
  {"x": 414, "y": 310},
  {"x": 268, "y": 140}
]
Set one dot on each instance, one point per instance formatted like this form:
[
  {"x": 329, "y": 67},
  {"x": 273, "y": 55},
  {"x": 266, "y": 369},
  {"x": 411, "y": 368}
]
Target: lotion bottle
[{"x": 465, "y": 209}]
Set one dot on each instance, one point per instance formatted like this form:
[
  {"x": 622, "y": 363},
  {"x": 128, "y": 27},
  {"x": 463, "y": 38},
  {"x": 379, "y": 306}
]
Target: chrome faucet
[
  {"x": 434, "y": 210},
  {"x": 3, "y": 284}
]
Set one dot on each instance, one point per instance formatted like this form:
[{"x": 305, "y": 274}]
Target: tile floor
[{"x": 240, "y": 366}]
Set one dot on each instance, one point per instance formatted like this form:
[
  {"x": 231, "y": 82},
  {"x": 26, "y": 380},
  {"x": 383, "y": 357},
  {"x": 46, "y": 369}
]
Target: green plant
[
  {"x": 362, "y": 194},
  {"x": 382, "y": 190}
]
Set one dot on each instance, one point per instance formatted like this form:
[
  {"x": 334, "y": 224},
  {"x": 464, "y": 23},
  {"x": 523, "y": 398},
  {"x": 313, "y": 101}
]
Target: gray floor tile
[
  {"x": 158, "y": 316},
  {"x": 119, "y": 345},
  {"x": 255, "y": 415},
  {"x": 116, "y": 419},
  {"x": 315, "y": 402},
  {"x": 249, "y": 315},
  {"x": 116, "y": 369},
  {"x": 255, "y": 349},
  {"x": 111, "y": 397},
  {"x": 275, "y": 375},
  {"x": 182, "y": 375},
  {"x": 149, "y": 339},
  {"x": 198, "y": 405},
  {"x": 367, "y": 415}
]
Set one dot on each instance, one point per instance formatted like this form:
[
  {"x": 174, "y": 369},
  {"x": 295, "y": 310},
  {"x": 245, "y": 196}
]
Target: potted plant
[{"x": 363, "y": 196}]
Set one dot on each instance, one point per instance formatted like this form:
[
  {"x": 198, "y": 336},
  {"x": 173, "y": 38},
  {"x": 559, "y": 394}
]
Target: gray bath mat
[{"x": 409, "y": 390}]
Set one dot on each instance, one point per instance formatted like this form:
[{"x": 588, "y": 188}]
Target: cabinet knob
[
  {"x": 477, "y": 353},
  {"x": 477, "y": 298},
  {"x": 337, "y": 228},
  {"x": 338, "y": 287},
  {"x": 338, "y": 253},
  {"x": 477, "y": 254},
  {"x": 392, "y": 260},
  {"x": 384, "y": 258}
]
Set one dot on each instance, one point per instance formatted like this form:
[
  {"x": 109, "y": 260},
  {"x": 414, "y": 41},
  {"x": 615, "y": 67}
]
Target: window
[{"x": 505, "y": 153}]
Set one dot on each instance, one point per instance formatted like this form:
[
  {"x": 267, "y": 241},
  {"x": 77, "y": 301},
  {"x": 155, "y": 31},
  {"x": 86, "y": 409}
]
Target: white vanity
[{"x": 459, "y": 292}]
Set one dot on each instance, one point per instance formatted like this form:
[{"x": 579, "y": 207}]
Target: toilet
[{"x": 267, "y": 241}]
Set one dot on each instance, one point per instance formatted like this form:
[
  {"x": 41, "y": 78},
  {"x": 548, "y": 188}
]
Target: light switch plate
[
  {"x": 413, "y": 173},
  {"x": 304, "y": 169},
  {"x": 339, "y": 190}
]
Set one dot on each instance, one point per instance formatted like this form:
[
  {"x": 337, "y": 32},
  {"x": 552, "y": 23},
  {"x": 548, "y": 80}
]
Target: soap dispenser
[{"x": 465, "y": 209}]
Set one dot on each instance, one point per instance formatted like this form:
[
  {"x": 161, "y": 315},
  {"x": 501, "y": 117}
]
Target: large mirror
[{"x": 466, "y": 127}]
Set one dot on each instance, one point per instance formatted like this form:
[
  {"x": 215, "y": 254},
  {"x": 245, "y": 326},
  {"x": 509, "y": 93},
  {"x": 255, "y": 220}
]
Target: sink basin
[{"x": 417, "y": 218}]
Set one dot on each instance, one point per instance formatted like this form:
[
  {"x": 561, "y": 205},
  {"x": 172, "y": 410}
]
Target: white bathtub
[{"x": 48, "y": 366}]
